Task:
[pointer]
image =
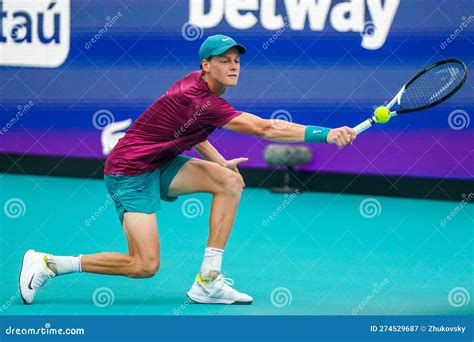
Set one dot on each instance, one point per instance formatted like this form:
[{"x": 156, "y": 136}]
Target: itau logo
[{"x": 34, "y": 33}]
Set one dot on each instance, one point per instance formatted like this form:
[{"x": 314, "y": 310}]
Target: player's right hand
[{"x": 341, "y": 136}]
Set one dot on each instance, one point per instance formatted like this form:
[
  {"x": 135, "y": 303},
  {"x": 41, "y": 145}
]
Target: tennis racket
[{"x": 429, "y": 87}]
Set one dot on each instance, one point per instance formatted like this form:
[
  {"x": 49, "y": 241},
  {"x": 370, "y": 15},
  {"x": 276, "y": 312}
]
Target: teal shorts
[{"x": 142, "y": 193}]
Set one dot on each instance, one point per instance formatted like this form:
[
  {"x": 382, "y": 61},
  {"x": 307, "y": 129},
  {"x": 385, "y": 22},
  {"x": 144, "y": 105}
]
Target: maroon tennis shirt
[{"x": 181, "y": 118}]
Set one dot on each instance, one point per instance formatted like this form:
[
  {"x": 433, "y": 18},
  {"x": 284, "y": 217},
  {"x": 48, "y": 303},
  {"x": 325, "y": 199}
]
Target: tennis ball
[{"x": 382, "y": 114}]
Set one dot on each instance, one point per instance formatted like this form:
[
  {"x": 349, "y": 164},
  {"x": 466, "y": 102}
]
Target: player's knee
[
  {"x": 145, "y": 268},
  {"x": 149, "y": 270},
  {"x": 233, "y": 184}
]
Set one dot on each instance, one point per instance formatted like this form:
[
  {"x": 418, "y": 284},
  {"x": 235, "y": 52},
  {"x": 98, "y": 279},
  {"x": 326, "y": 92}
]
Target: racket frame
[{"x": 372, "y": 120}]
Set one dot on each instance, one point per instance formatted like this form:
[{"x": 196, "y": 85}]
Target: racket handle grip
[{"x": 364, "y": 125}]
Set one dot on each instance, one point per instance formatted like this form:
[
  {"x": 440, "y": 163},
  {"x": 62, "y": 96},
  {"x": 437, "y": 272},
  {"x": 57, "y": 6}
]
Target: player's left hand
[{"x": 232, "y": 164}]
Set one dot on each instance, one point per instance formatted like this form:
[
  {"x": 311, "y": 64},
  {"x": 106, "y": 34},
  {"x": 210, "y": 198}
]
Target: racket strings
[
  {"x": 439, "y": 93},
  {"x": 432, "y": 86}
]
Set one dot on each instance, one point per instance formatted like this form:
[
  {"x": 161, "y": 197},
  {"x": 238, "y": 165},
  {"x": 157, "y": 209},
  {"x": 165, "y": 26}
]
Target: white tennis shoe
[
  {"x": 218, "y": 291},
  {"x": 33, "y": 274}
]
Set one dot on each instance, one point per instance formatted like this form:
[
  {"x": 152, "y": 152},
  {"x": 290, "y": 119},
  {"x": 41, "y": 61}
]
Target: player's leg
[
  {"x": 226, "y": 187},
  {"x": 143, "y": 258},
  {"x": 142, "y": 261}
]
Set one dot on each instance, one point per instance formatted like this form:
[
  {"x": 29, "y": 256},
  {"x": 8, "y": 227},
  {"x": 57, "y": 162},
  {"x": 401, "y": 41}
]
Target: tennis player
[{"x": 147, "y": 166}]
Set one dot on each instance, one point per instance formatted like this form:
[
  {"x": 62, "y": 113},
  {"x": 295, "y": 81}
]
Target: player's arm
[
  {"x": 284, "y": 131},
  {"x": 209, "y": 152}
]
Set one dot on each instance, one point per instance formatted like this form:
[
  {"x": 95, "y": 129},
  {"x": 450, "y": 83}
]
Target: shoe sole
[
  {"x": 19, "y": 276},
  {"x": 205, "y": 300}
]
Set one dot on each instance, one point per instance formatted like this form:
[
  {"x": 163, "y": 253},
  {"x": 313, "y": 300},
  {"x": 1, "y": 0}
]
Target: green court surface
[{"x": 320, "y": 254}]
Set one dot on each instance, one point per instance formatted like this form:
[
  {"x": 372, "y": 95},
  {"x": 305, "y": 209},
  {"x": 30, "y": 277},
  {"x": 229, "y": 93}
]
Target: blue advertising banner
[{"x": 74, "y": 74}]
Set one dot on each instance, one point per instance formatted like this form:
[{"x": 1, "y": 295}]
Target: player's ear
[{"x": 205, "y": 65}]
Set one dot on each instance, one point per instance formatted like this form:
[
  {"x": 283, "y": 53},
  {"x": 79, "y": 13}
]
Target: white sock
[
  {"x": 212, "y": 263},
  {"x": 64, "y": 264}
]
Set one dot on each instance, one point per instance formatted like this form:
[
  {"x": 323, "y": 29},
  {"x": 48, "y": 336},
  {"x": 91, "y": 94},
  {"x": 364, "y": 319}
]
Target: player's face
[{"x": 225, "y": 68}]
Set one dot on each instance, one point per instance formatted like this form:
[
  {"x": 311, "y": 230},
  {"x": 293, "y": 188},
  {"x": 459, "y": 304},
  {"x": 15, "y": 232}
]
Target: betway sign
[{"x": 347, "y": 16}]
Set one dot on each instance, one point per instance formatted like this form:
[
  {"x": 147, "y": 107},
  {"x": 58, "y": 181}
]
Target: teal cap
[{"x": 218, "y": 44}]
